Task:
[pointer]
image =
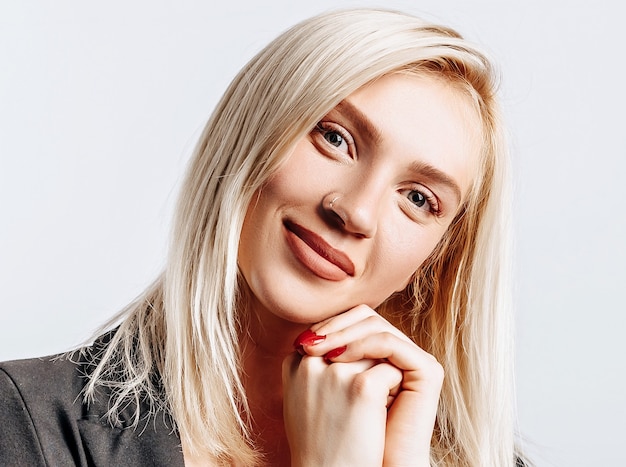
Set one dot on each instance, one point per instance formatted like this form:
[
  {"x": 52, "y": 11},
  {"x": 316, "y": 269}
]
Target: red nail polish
[
  {"x": 335, "y": 353},
  {"x": 308, "y": 337}
]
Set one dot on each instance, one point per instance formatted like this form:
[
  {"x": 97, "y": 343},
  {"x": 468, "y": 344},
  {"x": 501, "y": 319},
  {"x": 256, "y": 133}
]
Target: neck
[{"x": 265, "y": 343}]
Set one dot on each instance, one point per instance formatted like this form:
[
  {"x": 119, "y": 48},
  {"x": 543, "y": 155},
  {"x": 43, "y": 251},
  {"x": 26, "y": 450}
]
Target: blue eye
[
  {"x": 417, "y": 198},
  {"x": 336, "y": 137},
  {"x": 423, "y": 199},
  {"x": 333, "y": 138}
]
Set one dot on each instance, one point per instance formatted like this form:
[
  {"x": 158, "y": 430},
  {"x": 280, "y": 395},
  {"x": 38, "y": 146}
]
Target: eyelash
[
  {"x": 324, "y": 128},
  {"x": 429, "y": 198}
]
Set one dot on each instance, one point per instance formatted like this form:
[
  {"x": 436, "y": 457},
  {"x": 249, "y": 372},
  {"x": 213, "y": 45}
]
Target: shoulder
[
  {"x": 54, "y": 379},
  {"x": 46, "y": 419},
  {"x": 38, "y": 402}
]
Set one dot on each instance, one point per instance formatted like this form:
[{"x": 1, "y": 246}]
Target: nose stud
[
  {"x": 346, "y": 212},
  {"x": 335, "y": 211}
]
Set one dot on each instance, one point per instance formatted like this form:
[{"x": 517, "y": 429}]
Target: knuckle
[
  {"x": 363, "y": 387},
  {"x": 387, "y": 338},
  {"x": 310, "y": 365},
  {"x": 437, "y": 370},
  {"x": 366, "y": 310},
  {"x": 372, "y": 321},
  {"x": 336, "y": 371}
]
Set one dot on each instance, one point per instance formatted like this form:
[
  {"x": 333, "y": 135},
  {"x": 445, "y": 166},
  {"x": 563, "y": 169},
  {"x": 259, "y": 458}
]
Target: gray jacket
[{"x": 44, "y": 422}]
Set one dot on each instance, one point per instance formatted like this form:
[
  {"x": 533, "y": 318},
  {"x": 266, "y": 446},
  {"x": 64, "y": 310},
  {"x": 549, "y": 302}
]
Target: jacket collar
[
  {"x": 156, "y": 444},
  {"x": 153, "y": 441}
]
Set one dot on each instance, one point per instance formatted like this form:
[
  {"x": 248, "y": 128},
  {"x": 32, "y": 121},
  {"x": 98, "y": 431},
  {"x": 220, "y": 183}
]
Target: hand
[
  {"x": 376, "y": 395},
  {"x": 331, "y": 416}
]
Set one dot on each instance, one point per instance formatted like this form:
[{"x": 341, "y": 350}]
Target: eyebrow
[
  {"x": 364, "y": 125},
  {"x": 437, "y": 176},
  {"x": 360, "y": 120}
]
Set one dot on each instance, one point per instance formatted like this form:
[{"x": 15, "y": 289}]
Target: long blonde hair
[{"x": 185, "y": 327}]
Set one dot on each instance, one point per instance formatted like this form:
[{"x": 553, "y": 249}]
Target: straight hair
[{"x": 176, "y": 347}]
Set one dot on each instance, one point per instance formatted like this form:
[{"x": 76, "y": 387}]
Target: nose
[{"x": 355, "y": 211}]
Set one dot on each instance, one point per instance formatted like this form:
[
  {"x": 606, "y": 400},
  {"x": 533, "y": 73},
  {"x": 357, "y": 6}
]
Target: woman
[{"x": 340, "y": 242}]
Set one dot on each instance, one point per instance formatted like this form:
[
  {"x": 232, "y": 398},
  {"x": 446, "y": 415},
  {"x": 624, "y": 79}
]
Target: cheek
[
  {"x": 304, "y": 175},
  {"x": 403, "y": 256},
  {"x": 404, "y": 267}
]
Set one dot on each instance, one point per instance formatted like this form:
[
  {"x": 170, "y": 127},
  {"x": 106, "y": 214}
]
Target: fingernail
[
  {"x": 308, "y": 337},
  {"x": 335, "y": 353}
]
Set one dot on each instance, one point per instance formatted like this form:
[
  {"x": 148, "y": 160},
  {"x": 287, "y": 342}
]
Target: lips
[{"x": 340, "y": 264}]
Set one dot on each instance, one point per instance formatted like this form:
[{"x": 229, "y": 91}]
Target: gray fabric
[{"x": 44, "y": 422}]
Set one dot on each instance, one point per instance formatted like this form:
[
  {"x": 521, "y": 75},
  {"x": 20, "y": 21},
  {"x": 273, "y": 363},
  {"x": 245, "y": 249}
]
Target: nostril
[
  {"x": 332, "y": 210},
  {"x": 338, "y": 218},
  {"x": 341, "y": 212}
]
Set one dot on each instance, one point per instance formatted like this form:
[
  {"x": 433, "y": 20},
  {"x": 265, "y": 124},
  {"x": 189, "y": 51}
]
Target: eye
[
  {"x": 335, "y": 137},
  {"x": 422, "y": 199},
  {"x": 417, "y": 198}
]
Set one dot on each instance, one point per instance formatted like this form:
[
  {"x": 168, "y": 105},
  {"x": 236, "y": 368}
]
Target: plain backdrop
[{"x": 102, "y": 102}]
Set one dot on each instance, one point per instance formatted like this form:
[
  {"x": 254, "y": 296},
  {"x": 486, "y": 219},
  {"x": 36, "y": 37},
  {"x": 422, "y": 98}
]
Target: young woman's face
[{"x": 362, "y": 201}]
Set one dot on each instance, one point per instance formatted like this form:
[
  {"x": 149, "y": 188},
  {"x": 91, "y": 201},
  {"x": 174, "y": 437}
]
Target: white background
[{"x": 101, "y": 103}]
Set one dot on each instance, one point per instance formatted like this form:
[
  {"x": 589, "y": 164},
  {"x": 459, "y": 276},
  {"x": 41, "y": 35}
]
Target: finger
[
  {"x": 307, "y": 366},
  {"x": 369, "y": 324},
  {"x": 387, "y": 380},
  {"x": 343, "y": 320},
  {"x": 419, "y": 366}
]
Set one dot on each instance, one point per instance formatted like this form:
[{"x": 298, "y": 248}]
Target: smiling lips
[{"x": 317, "y": 255}]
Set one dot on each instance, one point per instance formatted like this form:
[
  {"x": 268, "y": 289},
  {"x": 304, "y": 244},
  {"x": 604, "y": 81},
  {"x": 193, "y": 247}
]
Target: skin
[{"x": 355, "y": 181}]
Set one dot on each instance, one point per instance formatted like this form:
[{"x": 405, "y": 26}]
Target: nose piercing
[{"x": 336, "y": 212}]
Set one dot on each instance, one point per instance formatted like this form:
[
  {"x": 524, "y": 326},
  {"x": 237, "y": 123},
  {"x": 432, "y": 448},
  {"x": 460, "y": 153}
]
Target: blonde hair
[{"x": 185, "y": 327}]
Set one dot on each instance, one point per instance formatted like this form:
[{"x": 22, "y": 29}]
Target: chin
[
  {"x": 302, "y": 312},
  {"x": 285, "y": 293}
]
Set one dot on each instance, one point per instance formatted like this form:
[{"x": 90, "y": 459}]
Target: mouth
[{"x": 316, "y": 254}]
